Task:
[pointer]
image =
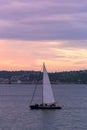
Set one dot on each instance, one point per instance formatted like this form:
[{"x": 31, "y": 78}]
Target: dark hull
[{"x": 45, "y": 107}]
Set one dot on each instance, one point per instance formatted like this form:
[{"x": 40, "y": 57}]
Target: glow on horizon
[{"x": 30, "y": 55}]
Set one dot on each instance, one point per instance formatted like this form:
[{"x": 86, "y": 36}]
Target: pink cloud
[{"x": 29, "y": 55}]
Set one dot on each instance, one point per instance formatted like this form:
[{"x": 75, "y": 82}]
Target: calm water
[{"x": 16, "y": 115}]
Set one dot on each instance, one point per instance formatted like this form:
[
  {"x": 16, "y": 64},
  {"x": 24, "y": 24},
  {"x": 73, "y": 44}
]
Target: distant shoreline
[
  {"x": 41, "y": 84},
  {"x": 34, "y": 77}
]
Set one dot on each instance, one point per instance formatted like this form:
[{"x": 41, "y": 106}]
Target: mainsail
[{"x": 48, "y": 97}]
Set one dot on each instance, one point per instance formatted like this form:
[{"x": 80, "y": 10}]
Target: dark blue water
[{"x": 16, "y": 115}]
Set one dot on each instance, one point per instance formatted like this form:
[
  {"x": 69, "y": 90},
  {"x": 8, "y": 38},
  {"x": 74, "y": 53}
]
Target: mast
[{"x": 43, "y": 83}]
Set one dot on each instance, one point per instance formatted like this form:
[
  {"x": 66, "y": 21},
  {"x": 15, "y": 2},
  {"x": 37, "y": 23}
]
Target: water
[{"x": 16, "y": 115}]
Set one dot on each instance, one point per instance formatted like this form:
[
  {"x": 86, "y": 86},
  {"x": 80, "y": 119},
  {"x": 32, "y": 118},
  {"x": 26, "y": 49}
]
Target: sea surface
[{"x": 16, "y": 115}]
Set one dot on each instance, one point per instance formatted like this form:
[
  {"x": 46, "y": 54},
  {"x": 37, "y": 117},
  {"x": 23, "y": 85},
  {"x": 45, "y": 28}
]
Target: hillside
[{"x": 77, "y": 77}]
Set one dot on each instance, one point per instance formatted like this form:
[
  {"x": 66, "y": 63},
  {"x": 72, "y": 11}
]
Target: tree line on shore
[{"x": 77, "y": 77}]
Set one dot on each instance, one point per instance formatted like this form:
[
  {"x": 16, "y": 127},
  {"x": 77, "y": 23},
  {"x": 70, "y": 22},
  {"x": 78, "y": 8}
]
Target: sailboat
[{"x": 48, "y": 101}]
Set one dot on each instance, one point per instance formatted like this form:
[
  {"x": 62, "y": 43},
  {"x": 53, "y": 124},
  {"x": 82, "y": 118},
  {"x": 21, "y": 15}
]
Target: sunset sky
[{"x": 37, "y": 31}]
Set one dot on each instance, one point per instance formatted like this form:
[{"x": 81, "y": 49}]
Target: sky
[{"x": 37, "y": 31}]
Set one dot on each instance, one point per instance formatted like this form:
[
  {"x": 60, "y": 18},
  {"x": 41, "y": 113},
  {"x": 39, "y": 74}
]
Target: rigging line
[
  {"x": 33, "y": 94},
  {"x": 34, "y": 90}
]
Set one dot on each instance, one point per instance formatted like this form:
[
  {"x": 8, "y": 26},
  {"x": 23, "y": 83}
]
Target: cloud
[
  {"x": 43, "y": 20},
  {"x": 29, "y": 55},
  {"x": 72, "y": 44}
]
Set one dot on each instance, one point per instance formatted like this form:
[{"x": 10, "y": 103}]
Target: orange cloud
[{"x": 29, "y": 55}]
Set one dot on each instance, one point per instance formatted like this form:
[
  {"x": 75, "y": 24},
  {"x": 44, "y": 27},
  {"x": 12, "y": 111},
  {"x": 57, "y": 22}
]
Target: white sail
[{"x": 48, "y": 97}]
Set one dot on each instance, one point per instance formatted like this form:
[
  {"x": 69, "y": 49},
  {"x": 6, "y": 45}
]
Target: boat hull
[{"x": 45, "y": 107}]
